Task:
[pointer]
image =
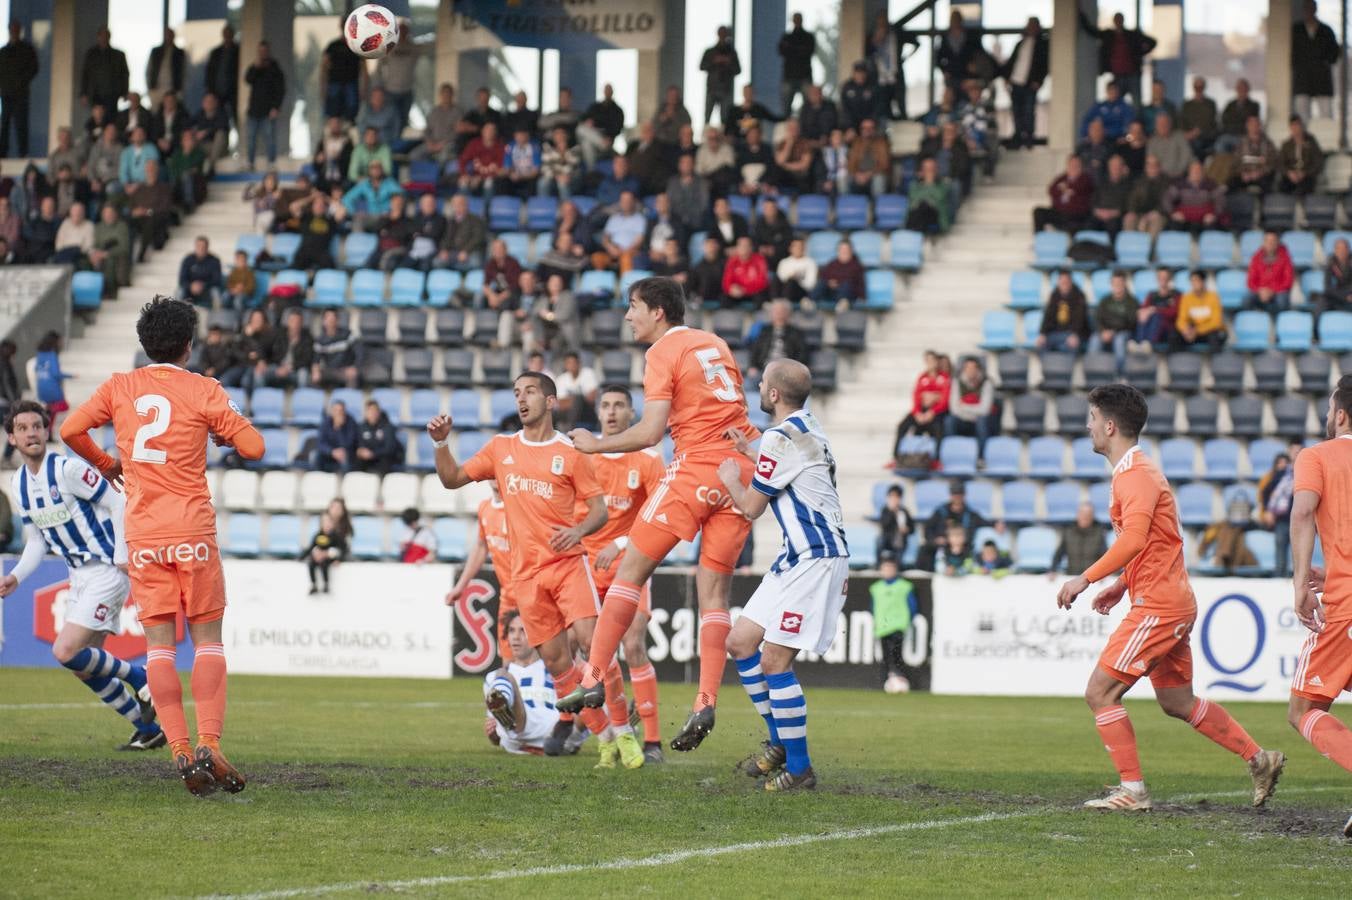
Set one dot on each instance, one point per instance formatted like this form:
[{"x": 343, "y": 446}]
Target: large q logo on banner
[{"x": 1242, "y": 651}]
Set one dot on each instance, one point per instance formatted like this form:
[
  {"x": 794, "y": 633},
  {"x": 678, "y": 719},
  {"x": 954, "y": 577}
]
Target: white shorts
[
  {"x": 97, "y": 592},
  {"x": 540, "y": 722},
  {"x": 799, "y": 606}
]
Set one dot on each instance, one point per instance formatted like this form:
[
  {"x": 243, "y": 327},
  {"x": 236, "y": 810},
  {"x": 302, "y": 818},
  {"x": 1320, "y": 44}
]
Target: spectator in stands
[
  {"x": 756, "y": 165},
  {"x": 74, "y": 238},
  {"x": 622, "y": 237},
  {"x": 1081, "y": 544},
  {"x": 841, "y": 281},
  {"x": 930, "y": 200},
  {"x": 1065, "y": 321},
  {"x": 370, "y": 200},
  {"x": 564, "y": 259},
  {"x": 954, "y": 512},
  {"x": 317, "y": 229},
  {"x": 929, "y": 402},
  {"x": 1299, "y": 162},
  {"x": 748, "y": 114},
  {"x": 502, "y": 273},
  {"x": 291, "y": 355},
  {"x": 955, "y": 557},
  {"x": 18, "y": 69},
  {"x": 267, "y": 92},
  {"x": 131, "y": 169},
  {"x": 660, "y": 228},
  {"x": 833, "y": 165},
  {"x": 716, "y": 162},
  {"x": 746, "y": 276},
  {"x": 222, "y": 72},
  {"x": 1235, "y": 117},
  {"x": 991, "y": 560},
  {"x": 721, "y": 64},
  {"x": 241, "y": 283},
  {"x": 64, "y": 153},
  {"x": 725, "y": 225},
  {"x": 199, "y": 275},
  {"x": 481, "y": 162},
  {"x": 1115, "y": 320},
  {"x": 439, "y": 136},
  {"x": 1132, "y": 147},
  {"x": 1072, "y": 194},
  {"x": 1121, "y": 52},
  {"x": 796, "y": 48},
  {"x": 560, "y": 167},
  {"x": 779, "y": 338},
  {"x": 135, "y": 116},
  {"x": 69, "y": 190},
  {"x": 1111, "y": 197},
  {"x": 1257, "y": 159},
  {"x": 1157, "y": 317},
  {"x": 895, "y": 525},
  {"x": 1172, "y": 148},
  {"x": 378, "y": 450},
  {"x": 615, "y": 183},
  {"x": 252, "y": 347},
  {"x": 10, "y": 222},
  {"x": 1159, "y": 103},
  {"x": 579, "y": 389},
  {"x": 554, "y": 323},
  {"x": 104, "y": 162},
  {"x": 38, "y": 242},
  {"x": 1024, "y": 72},
  {"x": 104, "y": 75},
  {"x": 1145, "y": 203},
  {"x": 605, "y": 118},
  {"x": 262, "y": 196},
  {"x": 971, "y": 405},
  {"x": 371, "y": 149},
  {"x": 1337, "y": 294},
  {"x": 168, "y": 123},
  {"x": 521, "y": 165},
  {"x": 327, "y": 547},
  {"x": 1197, "y": 119},
  {"x": 797, "y": 272},
  {"x": 472, "y": 123},
  {"x": 462, "y": 246},
  {"x": 869, "y": 161},
  {"x": 1195, "y": 202},
  {"x": 50, "y": 377},
  {"x": 1314, "y": 50},
  {"x": 188, "y": 172},
  {"x": 772, "y": 232},
  {"x": 1274, "y": 499},
  {"x": 219, "y": 358},
  {"x": 688, "y": 194},
  {"x": 1201, "y": 321},
  {"x": 337, "y": 354},
  {"x": 336, "y": 445},
  {"x": 341, "y": 73},
  {"x": 959, "y": 55},
  {"x": 395, "y": 72},
  {"x": 670, "y": 118},
  {"x": 669, "y": 261},
  {"x": 151, "y": 208},
  {"x": 1271, "y": 276},
  {"x": 977, "y": 120},
  {"x": 332, "y": 159},
  {"x": 818, "y": 116},
  {"x": 706, "y": 276},
  {"x": 112, "y": 251},
  {"x": 1114, "y": 112},
  {"x": 793, "y": 160},
  {"x": 1227, "y": 535},
  {"x": 860, "y": 99},
  {"x": 419, "y": 543},
  {"x": 394, "y": 237}
]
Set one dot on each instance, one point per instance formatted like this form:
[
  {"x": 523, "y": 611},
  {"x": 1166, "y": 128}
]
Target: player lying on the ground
[
  {"x": 543, "y": 478},
  {"x": 164, "y": 415},
  {"x": 691, "y": 382},
  {"x": 519, "y": 696},
  {"x": 1153, "y": 638},
  {"x": 1323, "y": 501},
  {"x": 71, "y": 509},
  {"x": 799, "y": 600}
]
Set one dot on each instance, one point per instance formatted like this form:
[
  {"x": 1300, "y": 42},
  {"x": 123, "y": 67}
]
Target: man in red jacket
[
  {"x": 746, "y": 277},
  {"x": 1072, "y": 195},
  {"x": 481, "y": 162},
  {"x": 1270, "y": 276}
]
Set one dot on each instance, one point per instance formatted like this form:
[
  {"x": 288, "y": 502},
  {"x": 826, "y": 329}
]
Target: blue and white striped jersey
[
  {"x": 67, "y": 502},
  {"x": 534, "y": 681},
  {"x": 796, "y": 470}
]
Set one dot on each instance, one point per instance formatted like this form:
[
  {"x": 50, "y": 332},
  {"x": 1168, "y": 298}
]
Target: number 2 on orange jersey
[
  {"x": 145, "y": 405},
  {"x": 716, "y": 371}
]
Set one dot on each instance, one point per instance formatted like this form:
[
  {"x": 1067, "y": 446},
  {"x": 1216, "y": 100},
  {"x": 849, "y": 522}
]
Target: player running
[
  {"x": 1153, "y": 639},
  {"x": 491, "y": 543},
  {"x": 519, "y": 696},
  {"x": 163, "y": 415},
  {"x": 543, "y": 478},
  {"x": 69, "y": 509},
  {"x": 691, "y": 382},
  {"x": 1323, "y": 501},
  {"x": 800, "y": 598},
  {"x": 627, "y": 481}
]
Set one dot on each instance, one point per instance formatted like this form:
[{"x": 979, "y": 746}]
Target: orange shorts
[
  {"x": 1324, "y": 668},
  {"x": 555, "y": 596},
  {"x": 177, "y": 576},
  {"x": 1148, "y": 644},
  {"x": 605, "y": 579},
  {"x": 691, "y": 500}
]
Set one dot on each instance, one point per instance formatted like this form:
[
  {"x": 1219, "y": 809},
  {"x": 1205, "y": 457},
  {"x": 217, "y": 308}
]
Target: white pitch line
[
  {"x": 355, "y": 704},
  {"x": 626, "y": 863}
]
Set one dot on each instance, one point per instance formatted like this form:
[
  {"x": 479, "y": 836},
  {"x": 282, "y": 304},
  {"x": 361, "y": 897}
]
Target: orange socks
[
  {"x": 208, "y": 690},
  {"x": 644, "y": 682},
  {"x": 617, "y": 614},
  {"x": 616, "y": 703},
  {"x": 1119, "y": 739},
  {"x": 564, "y": 683},
  {"x": 168, "y": 693},
  {"x": 714, "y": 626},
  {"x": 1212, "y": 720},
  {"x": 1329, "y": 736}
]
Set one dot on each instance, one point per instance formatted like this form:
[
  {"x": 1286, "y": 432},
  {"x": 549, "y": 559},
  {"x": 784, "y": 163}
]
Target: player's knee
[
  {"x": 1178, "y": 709},
  {"x": 65, "y": 650},
  {"x": 739, "y": 645},
  {"x": 635, "y": 653},
  {"x": 1294, "y": 715}
]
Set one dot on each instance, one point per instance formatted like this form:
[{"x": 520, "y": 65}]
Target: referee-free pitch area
[{"x": 360, "y": 786}]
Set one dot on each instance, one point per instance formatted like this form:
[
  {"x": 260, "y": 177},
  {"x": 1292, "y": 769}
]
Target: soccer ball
[{"x": 371, "y": 31}]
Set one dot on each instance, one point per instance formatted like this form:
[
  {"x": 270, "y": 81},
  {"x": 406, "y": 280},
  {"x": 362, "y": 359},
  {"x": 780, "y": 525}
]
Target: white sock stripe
[
  {"x": 719, "y": 618},
  {"x": 210, "y": 651},
  {"x": 1108, "y": 720},
  {"x": 786, "y": 693},
  {"x": 1312, "y": 718},
  {"x": 789, "y": 712},
  {"x": 752, "y": 672},
  {"x": 109, "y": 689},
  {"x": 1199, "y": 712},
  {"x": 797, "y": 732}
]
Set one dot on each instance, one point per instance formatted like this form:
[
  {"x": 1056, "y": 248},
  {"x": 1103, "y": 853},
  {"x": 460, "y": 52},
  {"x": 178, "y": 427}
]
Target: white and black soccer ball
[{"x": 371, "y": 31}]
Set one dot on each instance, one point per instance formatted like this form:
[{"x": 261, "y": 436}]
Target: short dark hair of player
[
  {"x": 658, "y": 292},
  {"x": 547, "y": 386},
  {"x": 1123, "y": 405},
  {"x": 1342, "y": 395},
  {"x": 615, "y": 387},
  {"x": 166, "y": 328},
  {"x": 26, "y": 406},
  {"x": 506, "y": 619}
]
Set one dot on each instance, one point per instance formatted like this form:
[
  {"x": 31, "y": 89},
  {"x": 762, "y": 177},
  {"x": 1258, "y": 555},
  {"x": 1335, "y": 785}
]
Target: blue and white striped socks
[
  {"x": 753, "y": 680},
  {"x": 790, "y": 713},
  {"x": 504, "y": 687},
  {"x": 105, "y": 674}
]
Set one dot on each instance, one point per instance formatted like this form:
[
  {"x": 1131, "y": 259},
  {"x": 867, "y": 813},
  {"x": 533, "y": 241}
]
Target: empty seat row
[
  {"x": 1266, "y": 372},
  {"x": 1290, "y": 415}
]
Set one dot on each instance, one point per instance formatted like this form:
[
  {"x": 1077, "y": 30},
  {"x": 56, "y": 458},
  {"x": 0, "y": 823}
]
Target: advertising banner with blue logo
[
  {"x": 1008, "y": 637},
  {"x": 572, "y": 26}
]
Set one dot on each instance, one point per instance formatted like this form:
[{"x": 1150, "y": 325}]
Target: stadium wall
[{"x": 33, "y": 301}]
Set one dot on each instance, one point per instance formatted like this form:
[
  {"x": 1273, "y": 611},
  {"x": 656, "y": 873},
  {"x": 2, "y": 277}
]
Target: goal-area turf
[{"x": 360, "y": 786}]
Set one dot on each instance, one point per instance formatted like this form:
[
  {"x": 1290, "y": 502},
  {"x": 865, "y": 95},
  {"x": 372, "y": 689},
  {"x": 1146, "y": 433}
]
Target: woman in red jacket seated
[
  {"x": 746, "y": 276},
  {"x": 929, "y": 400},
  {"x": 1270, "y": 276}
]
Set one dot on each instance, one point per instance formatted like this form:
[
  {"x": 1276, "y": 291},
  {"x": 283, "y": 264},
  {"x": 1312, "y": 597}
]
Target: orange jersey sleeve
[
  {"x": 493, "y": 532},
  {"x": 480, "y": 466},
  {"x": 93, "y": 413},
  {"x": 627, "y": 480},
  {"x": 1326, "y": 469},
  {"x": 1149, "y": 544},
  {"x": 1135, "y": 495},
  {"x": 227, "y": 423}
]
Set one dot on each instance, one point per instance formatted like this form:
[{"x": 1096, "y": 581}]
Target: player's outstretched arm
[
  {"x": 473, "y": 563},
  {"x": 646, "y": 432},
  {"x": 34, "y": 548},
  {"x": 751, "y": 503},
  {"x": 451, "y": 473}
]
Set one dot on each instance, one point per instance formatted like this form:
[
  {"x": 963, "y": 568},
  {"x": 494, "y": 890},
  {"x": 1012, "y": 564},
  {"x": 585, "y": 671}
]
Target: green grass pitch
[{"x": 361, "y": 786}]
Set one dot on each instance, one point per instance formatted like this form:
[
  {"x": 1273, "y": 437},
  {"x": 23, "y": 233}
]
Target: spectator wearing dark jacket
[
  {"x": 464, "y": 240},
  {"x": 725, "y": 225},
  {"x": 337, "y": 354},
  {"x": 1024, "y": 72},
  {"x": 954, "y": 512},
  {"x": 1065, "y": 321},
  {"x": 895, "y": 524},
  {"x": 1314, "y": 50},
  {"x": 705, "y": 281},
  {"x": 796, "y": 48},
  {"x": 18, "y": 68},
  {"x": 778, "y": 339},
  {"x": 1337, "y": 296},
  {"x": 1145, "y": 203},
  {"x": 336, "y": 447},
  {"x": 1235, "y": 115},
  {"x": 104, "y": 75},
  {"x": 267, "y": 92},
  {"x": 818, "y": 116},
  {"x": 291, "y": 355},
  {"x": 1299, "y": 162},
  {"x": 721, "y": 65},
  {"x": 1111, "y": 196},
  {"x": 1081, "y": 544},
  {"x": 199, "y": 275},
  {"x": 841, "y": 281},
  {"x": 1194, "y": 202},
  {"x": 1072, "y": 194},
  {"x": 860, "y": 99},
  {"x": 1115, "y": 320},
  {"x": 378, "y": 448},
  {"x": 164, "y": 68},
  {"x": 1156, "y": 317},
  {"x": 1121, "y": 52},
  {"x": 219, "y": 357}
]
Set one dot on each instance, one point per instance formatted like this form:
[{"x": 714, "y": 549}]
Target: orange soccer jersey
[
  {"x": 627, "y": 480},
  {"x": 696, "y": 372},
  {"x": 493, "y": 532},
  {"x": 1326, "y": 469}
]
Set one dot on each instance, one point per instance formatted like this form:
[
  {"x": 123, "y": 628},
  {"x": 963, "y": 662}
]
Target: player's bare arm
[
  {"x": 606, "y": 558},
  {"x": 473, "y": 563},
  {"x": 450, "y": 473},
  {"x": 1109, "y": 597},
  {"x": 646, "y": 432},
  {"x": 1308, "y": 608},
  {"x": 567, "y": 538},
  {"x": 751, "y": 503}
]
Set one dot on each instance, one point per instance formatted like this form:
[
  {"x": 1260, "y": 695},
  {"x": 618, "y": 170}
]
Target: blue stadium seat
[
  {"x": 906, "y": 250},
  {"x": 1002, "y": 457},
  {"x": 243, "y": 535},
  {"x": 584, "y": 203},
  {"x": 1092, "y": 236},
  {"x": 86, "y": 290},
  {"x": 283, "y": 536},
  {"x": 863, "y": 543},
  {"x": 350, "y": 398},
  {"x": 1062, "y": 502},
  {"x": 1035, "y": 548},
  {"x": 1295, "y": 331},
  {"x": 452, "y": 539},
  {"x": 541, "y": 212},
  {"x": 1032, "y": 324},
  {"x": 391, "y": 400},
  {"x": 1249, "y": 242},
  {"x": 441, "y": 284},
  {"x": 1300, "y": 244},
  {"x": 465, "y": 412},
  {"x": 1216, "y": 250},
  {"x": 814, "y": 212},
  {"x": 627, "y": 281},
  {"x": 504, "y": 213},
  {"x": 1311, "y": 284},
  {"x": 1100, "y": 283},
  {"x": 1173, "y": 249},
  {"x": 1049, "y": 249},
  {"x": 544, "y": 242},
  {"x": 1100, "y": 497},
  {"x": 981, "y": 497},
  {"x": 1335, "y": 332},
  {"x": 998, "y": 330},
  {"x": 851, "y": 212},
  {"x": 330, "y": 287},
  {"x": 283, "y": 249},
  {"x": 368, "y": 287},
  {"x": 1262, "y": 451},
  {"x": 501, "y": 403},
  {"x": 1178, "y": 459},
  {"x": 1046, "y": 457},
  {"x": 1085, "y": 463},
  {"x": 879, "y": 286},
  {"x": 292, "y": 276},
  {"x": 868, "y": 247},
  {"x": 1220, "y": 459},
  {"x": 957, "y": 455},
  {"x": 518, "y": 246},
  {"x": 307, "y": 408},
  {"x": 471, "y": 442},
  {"x": 1025, "y": 290},
  {"x": 889, "y": 211},
  {"x": 878, "y": 496},
  {"x": 1231, "y": 286},
  {"x": 277, "y": 452},
  {"x": 595, "y": 281},
  {"x": 238, "y": 397},
  {"x": 424, "y": 404},
  {"x": 423, "y": 172},
  {"x": 425, "y": 454},
  {"x": 1194, "y": 504},
  {"x": 406, "y": 287},
  {"x": 1252, "y": 331},
  {"x": 1182, "y": 281},
  {"x": 251, "y": 244},
  {"x": 1263, "y": 545},
  {"x": 265, "y": 406},
  {"x": 1020, "y": 502},
  {"x": 929, "y": 495},
  {"x": 368, "y": 538},
  {"x": 358, "y": 248},
  {"x": 1132, "y": 249}
]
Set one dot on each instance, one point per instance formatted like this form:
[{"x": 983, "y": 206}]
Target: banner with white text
[{"x": 571, "y": 26}]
